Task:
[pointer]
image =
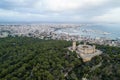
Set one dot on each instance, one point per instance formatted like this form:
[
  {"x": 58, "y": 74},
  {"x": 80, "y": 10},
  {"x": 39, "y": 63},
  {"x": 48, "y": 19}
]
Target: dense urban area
[{"x": 50, "y": 31}]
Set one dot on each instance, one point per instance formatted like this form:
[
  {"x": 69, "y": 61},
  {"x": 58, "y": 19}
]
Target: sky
[{"x": 100, "y": 11}]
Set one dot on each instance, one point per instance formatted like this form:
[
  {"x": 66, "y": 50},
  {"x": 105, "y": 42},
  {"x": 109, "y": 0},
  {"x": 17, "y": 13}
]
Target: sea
[{"x": 110, "y": 31}]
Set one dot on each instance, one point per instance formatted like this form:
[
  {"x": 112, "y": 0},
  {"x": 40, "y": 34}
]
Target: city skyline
[{"x": 97, "y": 11}]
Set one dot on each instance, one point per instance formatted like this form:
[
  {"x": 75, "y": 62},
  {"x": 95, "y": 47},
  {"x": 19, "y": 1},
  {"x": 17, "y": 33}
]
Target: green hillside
[{"x": 23, "y": 58}]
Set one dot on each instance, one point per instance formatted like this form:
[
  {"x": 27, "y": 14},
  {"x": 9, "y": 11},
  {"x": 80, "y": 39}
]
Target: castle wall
[
  {"x": 74, "y": 46},
  {"x": 86, "y": 50},
  {"x": 89, "y": 51}
]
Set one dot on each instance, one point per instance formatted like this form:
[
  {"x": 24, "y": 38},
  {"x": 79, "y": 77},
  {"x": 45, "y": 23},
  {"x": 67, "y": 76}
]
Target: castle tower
[
  {"x": 74, "y": 45},
  {"x": 85, "y": 51},
  {"x": 84, "y": 43},
  {"x": 94, "y": 48}
]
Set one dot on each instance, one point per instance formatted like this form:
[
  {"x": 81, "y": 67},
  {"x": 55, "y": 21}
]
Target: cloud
[
  {"x": 60, "y": 10},
  {"x": 8, "y": 15},
  {"x": 112, "y": 15},
  {"x": 66, "y": 5}
]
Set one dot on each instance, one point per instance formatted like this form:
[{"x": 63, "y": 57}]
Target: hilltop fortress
[{"x": 86, "y": 52}]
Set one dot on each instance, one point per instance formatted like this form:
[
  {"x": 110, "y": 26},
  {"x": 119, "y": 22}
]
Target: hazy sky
[{"x": 60, "y": 10}]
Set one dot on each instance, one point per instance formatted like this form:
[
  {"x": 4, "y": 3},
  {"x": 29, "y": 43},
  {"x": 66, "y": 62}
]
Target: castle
[{"x": 86, "y": 52}]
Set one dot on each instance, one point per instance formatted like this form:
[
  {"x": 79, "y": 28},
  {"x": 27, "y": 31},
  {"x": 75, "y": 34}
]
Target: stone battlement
[{"x": 86, "y": 52}]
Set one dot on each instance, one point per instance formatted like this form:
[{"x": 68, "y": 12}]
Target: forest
[{"x": 25, "y": 58}]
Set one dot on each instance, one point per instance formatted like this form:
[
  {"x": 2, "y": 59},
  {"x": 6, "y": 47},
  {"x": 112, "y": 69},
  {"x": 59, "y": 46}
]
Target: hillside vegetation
[{"x": 23, "y": 58}]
